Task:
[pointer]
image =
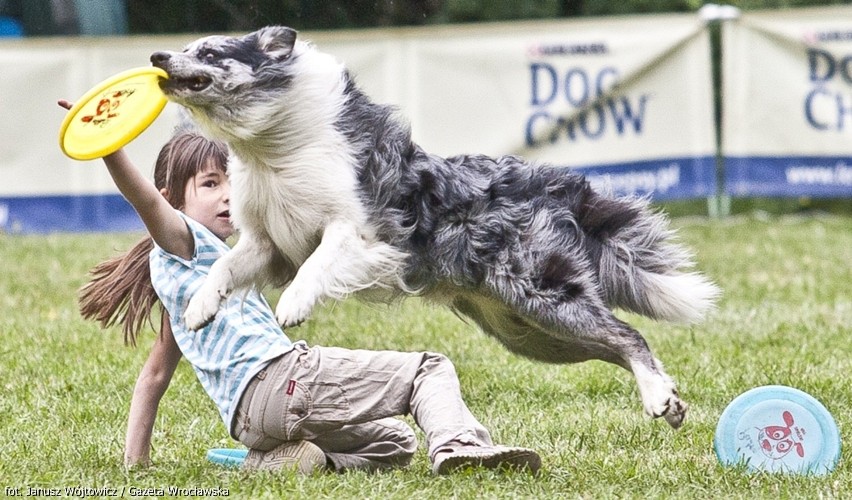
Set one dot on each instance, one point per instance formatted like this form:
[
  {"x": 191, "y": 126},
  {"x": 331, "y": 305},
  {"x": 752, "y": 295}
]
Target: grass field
[{"x": 784, "y": 319}]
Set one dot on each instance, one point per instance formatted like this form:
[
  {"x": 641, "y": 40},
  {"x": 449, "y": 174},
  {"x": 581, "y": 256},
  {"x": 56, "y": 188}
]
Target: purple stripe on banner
[
  {"x": 662, "y": 179},
  {"x": 67, "y": 213},
  {"x": 816, "y": 176}
]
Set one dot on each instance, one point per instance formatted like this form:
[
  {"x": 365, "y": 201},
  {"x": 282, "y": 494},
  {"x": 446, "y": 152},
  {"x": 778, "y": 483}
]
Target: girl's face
[{"x": 208, "y": 201}]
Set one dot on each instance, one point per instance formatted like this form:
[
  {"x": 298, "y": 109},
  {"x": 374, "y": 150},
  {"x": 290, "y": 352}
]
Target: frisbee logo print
[
  {"x": 776, "y": 441},
  {"x": 782, "y": 445},
  {"x": 107, "y": 106}
]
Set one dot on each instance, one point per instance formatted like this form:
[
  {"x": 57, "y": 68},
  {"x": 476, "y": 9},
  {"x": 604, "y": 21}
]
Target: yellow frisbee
[{"x": 112, "y": 113}]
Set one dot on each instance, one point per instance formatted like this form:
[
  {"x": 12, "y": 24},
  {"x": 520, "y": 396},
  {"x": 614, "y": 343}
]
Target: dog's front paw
[
  {"x": 291, "y": 311},
  {"x": 201, "y": 310}
]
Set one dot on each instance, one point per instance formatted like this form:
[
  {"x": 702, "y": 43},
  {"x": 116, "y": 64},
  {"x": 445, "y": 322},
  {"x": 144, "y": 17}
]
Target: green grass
[{"x": 784, "y": 319}]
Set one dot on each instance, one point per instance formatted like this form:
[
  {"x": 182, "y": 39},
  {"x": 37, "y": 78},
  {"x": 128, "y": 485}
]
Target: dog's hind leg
[
  {"x": 659, "y": 394},
  {"x": 572, "y": 333},
  {"x": 344, "y": 262},
  {"x": 619, "y": 343},
  {"x": 599, "y": 332},
  {"x": 254, "y": 259},
  {"x": 573, "y": 312}
]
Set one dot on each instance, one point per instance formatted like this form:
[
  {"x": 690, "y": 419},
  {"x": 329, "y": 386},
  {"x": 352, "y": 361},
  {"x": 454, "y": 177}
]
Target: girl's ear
[{"x": 165, "y": 193}]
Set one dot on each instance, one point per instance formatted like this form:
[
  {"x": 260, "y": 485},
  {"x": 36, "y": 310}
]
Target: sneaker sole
[
  {"x": 505, "y": 460},
  {"x": 304, "y": 457}
]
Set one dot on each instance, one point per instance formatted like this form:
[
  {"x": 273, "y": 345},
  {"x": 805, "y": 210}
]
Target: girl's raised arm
[{"x": 165, "y": 226}]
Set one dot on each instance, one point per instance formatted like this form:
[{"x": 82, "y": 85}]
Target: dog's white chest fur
[
  {"x": 296, "y": 173},
  {"x": 288, "y": 207}
]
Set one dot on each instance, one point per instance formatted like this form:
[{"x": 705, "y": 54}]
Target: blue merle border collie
[{"x": 331, "y": 197}]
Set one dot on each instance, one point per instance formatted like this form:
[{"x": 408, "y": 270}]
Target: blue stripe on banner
[
  {"x": 662, "y": 178},
  {"x": 68, "y": 213},
  {"x": 816, "y": 176}
]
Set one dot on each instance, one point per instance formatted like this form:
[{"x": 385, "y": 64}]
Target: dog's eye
[{"x": 209, "y": 55}]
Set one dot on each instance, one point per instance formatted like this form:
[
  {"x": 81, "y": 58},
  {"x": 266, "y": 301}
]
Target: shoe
[
  {"x": 302, "y": 456},
  {"x": 489, "y": 457}
]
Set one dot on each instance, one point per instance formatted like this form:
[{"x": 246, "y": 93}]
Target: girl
[{"x": 291, "y": 405}]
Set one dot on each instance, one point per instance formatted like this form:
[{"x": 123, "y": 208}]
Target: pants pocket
[{"x": 315, "y": 408}]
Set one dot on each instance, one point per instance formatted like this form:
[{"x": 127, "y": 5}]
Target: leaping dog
[{"x": 332, "y": 196}]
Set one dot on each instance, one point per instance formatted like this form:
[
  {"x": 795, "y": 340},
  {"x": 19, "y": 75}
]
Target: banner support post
[{"x": 718, "y": 205}]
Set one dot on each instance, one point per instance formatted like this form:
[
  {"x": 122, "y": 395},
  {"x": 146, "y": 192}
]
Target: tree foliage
[
  {"x": 65, "y": 17},
  {"x": 175, "y": 16}
]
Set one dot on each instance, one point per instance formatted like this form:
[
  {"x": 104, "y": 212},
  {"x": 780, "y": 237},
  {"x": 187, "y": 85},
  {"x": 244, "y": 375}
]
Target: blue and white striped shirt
[{"x": 242, "y": 338}]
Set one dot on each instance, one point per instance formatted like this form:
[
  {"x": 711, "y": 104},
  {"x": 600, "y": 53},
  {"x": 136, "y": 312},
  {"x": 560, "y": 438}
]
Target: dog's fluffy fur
[{"x": 331, "y": 195}]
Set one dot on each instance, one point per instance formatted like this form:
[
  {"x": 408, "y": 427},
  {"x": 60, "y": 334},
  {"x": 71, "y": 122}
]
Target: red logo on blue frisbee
[{"x": 778, "y": 429}]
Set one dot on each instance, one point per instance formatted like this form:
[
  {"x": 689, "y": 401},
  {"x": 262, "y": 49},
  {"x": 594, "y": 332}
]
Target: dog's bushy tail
[{"x": 642, "y": 269}]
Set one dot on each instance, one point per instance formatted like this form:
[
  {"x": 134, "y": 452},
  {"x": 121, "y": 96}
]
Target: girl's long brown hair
[{"x": 120, "y": 289}]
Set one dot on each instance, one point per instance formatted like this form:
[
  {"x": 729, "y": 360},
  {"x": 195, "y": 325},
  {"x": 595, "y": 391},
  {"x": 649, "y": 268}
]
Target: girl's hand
[{"x": 68, "y": 105}]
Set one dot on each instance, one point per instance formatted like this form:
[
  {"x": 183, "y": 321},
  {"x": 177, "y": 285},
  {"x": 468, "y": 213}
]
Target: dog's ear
[{"x": 276, "y": 41}]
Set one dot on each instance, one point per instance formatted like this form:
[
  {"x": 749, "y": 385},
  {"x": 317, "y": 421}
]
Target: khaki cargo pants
[{"x": 342, "y": 400}]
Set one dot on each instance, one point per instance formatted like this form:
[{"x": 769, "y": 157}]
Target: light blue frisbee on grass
[
  {"x": 779, "y": 429},
  {"x": 229, "y": 457}
]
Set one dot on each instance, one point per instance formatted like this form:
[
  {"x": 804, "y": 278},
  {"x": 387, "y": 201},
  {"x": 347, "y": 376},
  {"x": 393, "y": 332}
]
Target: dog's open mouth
[{"x": 195, "y": 83}]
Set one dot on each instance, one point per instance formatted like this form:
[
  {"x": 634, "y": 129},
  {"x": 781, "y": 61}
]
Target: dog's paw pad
[
  {"x": 676, "y": 412},
  {"x": 291, "y": 313},
  {"x": 291, "y": 323},
  {"x": 668, "y": 405},
  {"x": 287, "y": 322},
  {"x": 200, "y": 312}
]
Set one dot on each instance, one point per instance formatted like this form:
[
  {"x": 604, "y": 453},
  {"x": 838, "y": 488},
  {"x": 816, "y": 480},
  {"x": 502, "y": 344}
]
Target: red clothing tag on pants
[{"x": 291, "y": 387}]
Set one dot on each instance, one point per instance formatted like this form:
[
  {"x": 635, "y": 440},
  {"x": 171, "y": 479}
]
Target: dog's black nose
[{"x": 158, "y": 59}]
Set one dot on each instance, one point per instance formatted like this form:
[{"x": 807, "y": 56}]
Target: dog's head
[{"x": 219, "y": 76}]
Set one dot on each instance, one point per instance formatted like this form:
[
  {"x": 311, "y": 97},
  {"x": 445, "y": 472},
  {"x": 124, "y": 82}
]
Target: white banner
[
  {"x": 41, "y": 189},
  {"x": 628, "y": 99},
  {"x": 787, "y": 115}
]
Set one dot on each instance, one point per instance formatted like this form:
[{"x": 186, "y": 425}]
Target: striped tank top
[{"x": 242, "y": 338}]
